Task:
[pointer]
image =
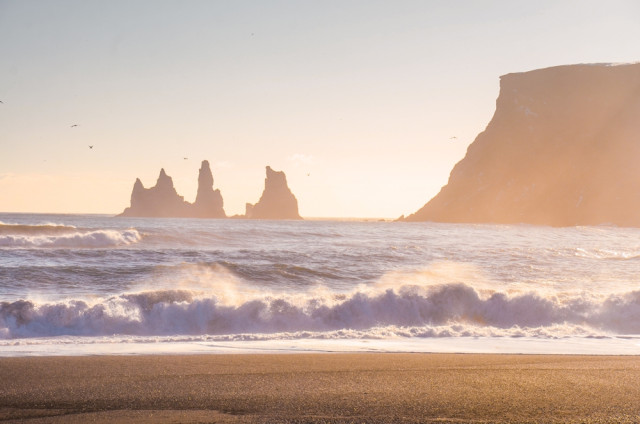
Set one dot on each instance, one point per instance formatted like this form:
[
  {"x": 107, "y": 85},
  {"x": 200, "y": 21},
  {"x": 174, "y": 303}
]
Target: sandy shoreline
[{"x": 321, "y": 388}]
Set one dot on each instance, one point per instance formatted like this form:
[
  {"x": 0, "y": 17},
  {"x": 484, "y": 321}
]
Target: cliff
[
  {"x": 162, "y": 200},
  {"x": 277, "y": 200},
  {"x": 562, "y": 149}
]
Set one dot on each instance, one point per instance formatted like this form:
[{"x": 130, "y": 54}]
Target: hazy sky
[{"x": 362, "y": 95}]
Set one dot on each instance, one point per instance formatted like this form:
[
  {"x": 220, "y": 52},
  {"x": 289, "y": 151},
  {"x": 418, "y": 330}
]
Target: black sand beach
[{"x": 340, "y": 388}]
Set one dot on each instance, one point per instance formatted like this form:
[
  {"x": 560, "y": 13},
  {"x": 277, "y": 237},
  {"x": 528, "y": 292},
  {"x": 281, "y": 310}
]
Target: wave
[
  {"x": 448, "y": 310},
  {"x": 607, "y": 254},
  {"x": 45, "y": 236},
  {"x": 38, "y": 229}
]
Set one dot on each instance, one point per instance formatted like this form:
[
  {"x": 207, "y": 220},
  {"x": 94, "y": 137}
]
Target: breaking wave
[
  {"x": 38, "y": 229},
  {"x": 52, "y": 236},
  {"x": 608, "y": 254},
  {"x": 447, "y": 310}
]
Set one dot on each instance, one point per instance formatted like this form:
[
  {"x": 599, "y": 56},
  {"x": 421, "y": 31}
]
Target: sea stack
[
  {"x": 209, "y": 203},
  {"x": 277, "y": 200},
  {"x": 562, "y": 149},
  {"x": 162, "y": 200}
]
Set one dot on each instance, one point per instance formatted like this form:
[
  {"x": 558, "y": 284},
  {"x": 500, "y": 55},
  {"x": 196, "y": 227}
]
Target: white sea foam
[
  {"x": 608, "y": 253},
  {"x": 67, "y": 237},
  {"x": 129, "y": 345},
  {"x": 448, "y": 310}
]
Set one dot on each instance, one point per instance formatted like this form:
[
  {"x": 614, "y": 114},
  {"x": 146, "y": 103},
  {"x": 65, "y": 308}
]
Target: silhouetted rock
[
  {"x": 276, "y": 202},
  {"x": 162, "y": 200},
  {"x": 209, "y": 203},
  {"x": 561, "y": 149}
]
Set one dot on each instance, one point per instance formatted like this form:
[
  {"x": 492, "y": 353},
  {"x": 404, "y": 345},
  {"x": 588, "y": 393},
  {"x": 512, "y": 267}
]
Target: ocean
[{"x": 97, "y": 284}]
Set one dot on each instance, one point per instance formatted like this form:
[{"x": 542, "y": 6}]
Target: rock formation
[
  {"x": 162, "y": 200},
  {"x": 276, "y": 202},
  {"x": 562, "y": 149},
  {"x": 209, "y": 203}
]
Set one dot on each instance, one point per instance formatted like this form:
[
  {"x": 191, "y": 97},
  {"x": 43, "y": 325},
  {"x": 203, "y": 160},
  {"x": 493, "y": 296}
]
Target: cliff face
[
  {"x": 276, "y": 202},
  {"x": 562, "y": 149},
  {"x": 162, "y": 200}
]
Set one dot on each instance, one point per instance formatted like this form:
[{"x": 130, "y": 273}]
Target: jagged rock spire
[
  {"x": 162, "y": 200},
  {"x": 209, "y": 203},
  {"x": 277, "y": 200}
]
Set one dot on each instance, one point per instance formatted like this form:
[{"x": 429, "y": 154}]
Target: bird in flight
[
  {"x": 185, "y": 158},
  {"x": 1, "y": 102},
  {"x": 91, "y": 147},
  {"x": 452, "y": 138},
  {"x": 74, "y": 125}
]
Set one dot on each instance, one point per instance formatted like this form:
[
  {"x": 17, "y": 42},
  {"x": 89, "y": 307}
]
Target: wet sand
[{"x": 323, "y": 388}]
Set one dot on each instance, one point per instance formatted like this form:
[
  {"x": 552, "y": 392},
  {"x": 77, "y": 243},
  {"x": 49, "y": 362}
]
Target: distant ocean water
[{"x": 86, "y": 284}]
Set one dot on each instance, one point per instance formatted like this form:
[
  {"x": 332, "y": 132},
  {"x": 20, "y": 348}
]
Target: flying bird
[
  {"x": 91, "y": 147},
  {"x": 1, "y": 102},
  {"x": 451, "y": 138},
  {"x": 185, "y": 158},
  {"x": 74, "y": 125}
]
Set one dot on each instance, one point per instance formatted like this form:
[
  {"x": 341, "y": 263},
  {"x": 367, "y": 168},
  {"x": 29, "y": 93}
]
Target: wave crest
[
  {"x": 409, "y": 311},
  {"x": 37, "y": 229},
  {"x": 68, "y": 237}
]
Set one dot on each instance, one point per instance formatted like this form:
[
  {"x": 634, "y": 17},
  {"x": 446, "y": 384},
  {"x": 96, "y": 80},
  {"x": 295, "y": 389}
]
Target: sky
[{"x": 358, "y": 102}]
